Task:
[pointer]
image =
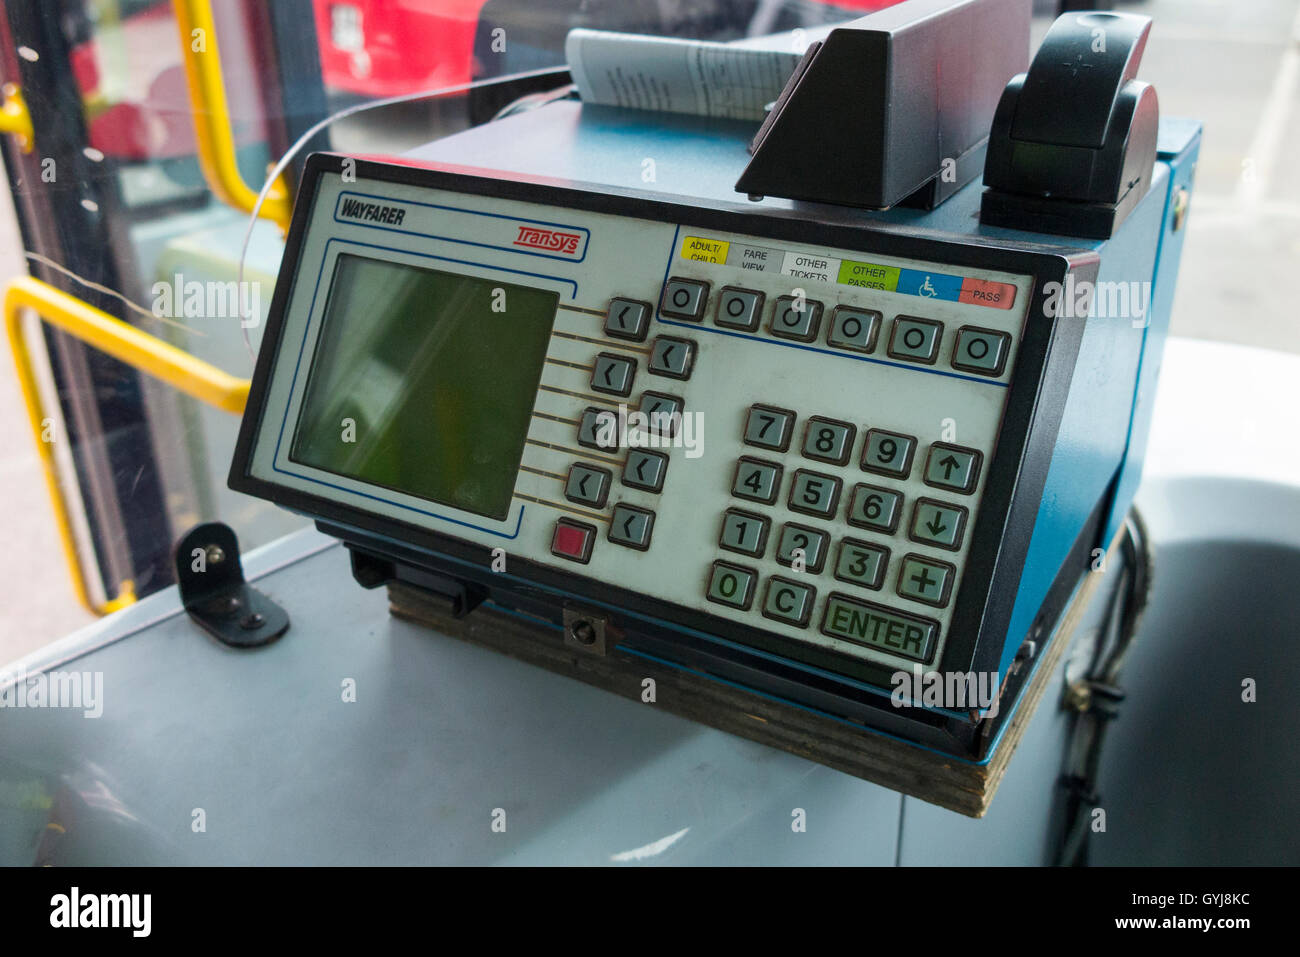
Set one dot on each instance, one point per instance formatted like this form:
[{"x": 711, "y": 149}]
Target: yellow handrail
[
  {"x": 148, "y": 353},
  {"x": 15, "y": 118},
  {"x": 216, "y": 143}
]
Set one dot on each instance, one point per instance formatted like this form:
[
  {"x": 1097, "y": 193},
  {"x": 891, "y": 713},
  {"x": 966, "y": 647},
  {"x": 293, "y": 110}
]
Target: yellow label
[{"x": 704, "y": 250}]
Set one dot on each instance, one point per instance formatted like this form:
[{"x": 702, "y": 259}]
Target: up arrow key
[{"x": 954, "y": 468}]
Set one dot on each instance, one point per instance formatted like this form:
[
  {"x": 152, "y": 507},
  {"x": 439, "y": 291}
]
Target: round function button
[
  {"x": 796, "y": 318},
  {"x": 853, "y": 329},
  {"x": 684, "y": 299},
  {"x": 739, "y": 308},
  {"x": 982, "y": 351}
]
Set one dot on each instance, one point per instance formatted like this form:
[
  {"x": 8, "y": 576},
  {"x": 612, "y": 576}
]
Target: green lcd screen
[{"x": 423, "y": 382}]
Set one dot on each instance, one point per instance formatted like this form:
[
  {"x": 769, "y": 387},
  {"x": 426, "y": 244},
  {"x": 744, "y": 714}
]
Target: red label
[
  {"x": 550, "y": 240},
  {"x": 981, "y": 292}
]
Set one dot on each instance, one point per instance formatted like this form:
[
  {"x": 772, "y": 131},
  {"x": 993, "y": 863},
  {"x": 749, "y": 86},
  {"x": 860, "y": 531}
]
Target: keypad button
[
  {"x": 925, "y": 580},
  {"x": 787, "y": 601},
  {"x": 613, "y": 374},
  {"x": 875, "y": 626},
  {"x": 916, "y": 340},
  {"x": 757, "y": 480},
  {"x": 876, "y": 508},
  {"x": 952, "y": 467},
  {"x": 731, "y": 585},
  {"x": 861, "y": 563},
  {"x": 807, "y": 545},
  {"x": 937, "y": 523},
  {"x": 663, "y": 412},
  {"x": 631, "y": 526},
  {"x": 587, "y": 485},
  {"x": 739, "y": 309},
  {"x": 573, "y": 540},
  {"x": 982, "y": 351},
  {"x": 854, "y": 329},
  {"x": 814, "y": 494},
  {"x": 795, "y": 318},
  {"x": 645, "y": 470},
  {"x": 744, "y": 532},
  {"x": 889, "y": 453},
  {"x": 829, "y": 440},
  {"x": 671, "y": 357},
  {"x": 627, "y": 319},
  {"x": 769, "y": 428},
  {"x": 598, "y": 429},
  {"x": 684, "y": 299}
]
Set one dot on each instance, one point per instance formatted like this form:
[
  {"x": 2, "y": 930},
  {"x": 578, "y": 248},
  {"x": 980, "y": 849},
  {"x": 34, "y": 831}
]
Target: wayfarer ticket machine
[{"x": 800, "y": 454}]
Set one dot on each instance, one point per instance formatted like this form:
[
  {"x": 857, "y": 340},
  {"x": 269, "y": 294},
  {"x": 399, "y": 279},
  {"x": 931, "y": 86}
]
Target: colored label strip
[{"x": 849, "y": 272}]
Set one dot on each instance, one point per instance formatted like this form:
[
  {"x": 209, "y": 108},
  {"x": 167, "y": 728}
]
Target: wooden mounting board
[{"x": 949, "y": 782}]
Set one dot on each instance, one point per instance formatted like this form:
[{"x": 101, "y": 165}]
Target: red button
[
  {"x": 983, "y": 292},
  {"x": 573, "y": 540}
]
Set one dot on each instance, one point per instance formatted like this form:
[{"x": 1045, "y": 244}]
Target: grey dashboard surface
[{"x": 262, "y": 749}]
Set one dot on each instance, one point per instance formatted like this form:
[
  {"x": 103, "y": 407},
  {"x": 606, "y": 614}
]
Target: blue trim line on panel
[
  {"x": 715, "y": 639},
  {"x": 701, "y": 327},
  {"x": 293, "y": 386},
  {"x": 463, "y": 262},
  {"x": 472, "y": 212}
]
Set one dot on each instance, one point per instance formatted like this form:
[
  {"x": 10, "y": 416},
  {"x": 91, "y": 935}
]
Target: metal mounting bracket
[{"x": 211, "y": 581}]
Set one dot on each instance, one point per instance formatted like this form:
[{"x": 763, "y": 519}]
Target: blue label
[{"x": 929, "y": 285}]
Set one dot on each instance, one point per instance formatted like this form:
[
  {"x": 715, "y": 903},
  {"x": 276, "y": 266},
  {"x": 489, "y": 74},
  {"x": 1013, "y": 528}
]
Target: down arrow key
[{"x": 938, "y": 523}]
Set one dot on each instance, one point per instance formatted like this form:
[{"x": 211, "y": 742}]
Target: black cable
[{"x": 1098, "y": 696}]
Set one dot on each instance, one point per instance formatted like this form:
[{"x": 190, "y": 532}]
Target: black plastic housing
[
  {"x": 893, "y": 108},
  {"x": 1073, "y": 145}
]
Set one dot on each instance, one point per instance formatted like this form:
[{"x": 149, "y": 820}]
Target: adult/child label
[{"x": 705, "y": 250}]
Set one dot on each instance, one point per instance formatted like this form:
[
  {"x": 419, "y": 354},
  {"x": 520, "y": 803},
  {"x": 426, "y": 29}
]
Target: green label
[{"x": 870, "y": 275}]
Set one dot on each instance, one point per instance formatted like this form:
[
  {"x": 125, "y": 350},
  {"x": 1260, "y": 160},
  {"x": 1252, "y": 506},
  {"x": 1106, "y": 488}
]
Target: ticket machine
[{"x": 798, "y": 449}]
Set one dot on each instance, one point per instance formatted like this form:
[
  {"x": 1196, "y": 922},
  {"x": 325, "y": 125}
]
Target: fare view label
[{"x": 850, "y": 272}]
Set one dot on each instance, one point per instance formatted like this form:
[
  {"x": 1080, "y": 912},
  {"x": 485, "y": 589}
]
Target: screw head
[
  {"x": 215, "y": 554},
  {"x": 583, "y": 632},
  {"x": 1182, "y": 202},
  {"x": 1078, "y": 696}
]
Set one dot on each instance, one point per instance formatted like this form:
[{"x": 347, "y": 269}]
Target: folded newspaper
[{"x": 728, "y": 80}]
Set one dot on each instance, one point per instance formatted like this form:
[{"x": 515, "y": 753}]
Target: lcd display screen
[{"x": 423, "y": 382}]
